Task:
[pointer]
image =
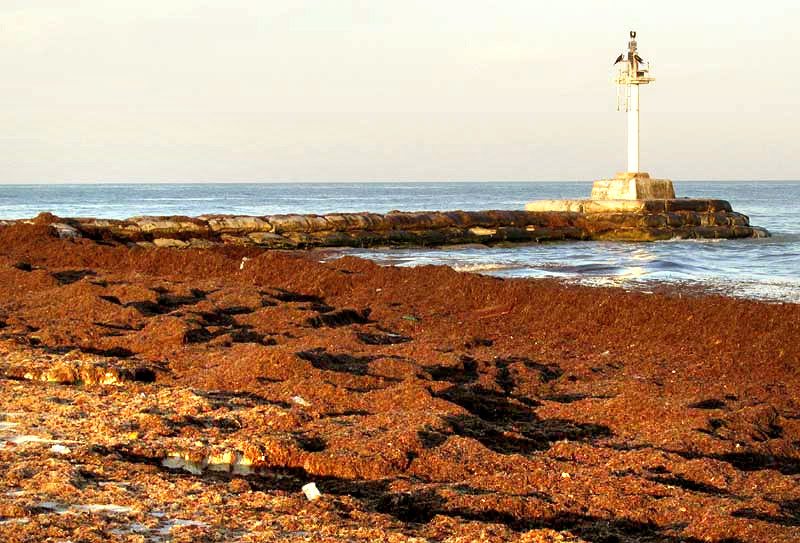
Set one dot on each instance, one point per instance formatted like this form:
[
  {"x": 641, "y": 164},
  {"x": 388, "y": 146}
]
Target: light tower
[
  {"x": 633, "y": 72},
  {"x": 632, "y": 184},
  {"x": 634, "y": 207}
]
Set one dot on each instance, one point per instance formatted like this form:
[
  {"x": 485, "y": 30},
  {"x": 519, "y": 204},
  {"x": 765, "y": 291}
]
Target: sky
[{"x": 392, "y": 90}]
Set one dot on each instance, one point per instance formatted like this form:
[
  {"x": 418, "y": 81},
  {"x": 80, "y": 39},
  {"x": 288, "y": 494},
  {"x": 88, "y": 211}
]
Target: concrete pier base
[{"x": 632, "y": 186}]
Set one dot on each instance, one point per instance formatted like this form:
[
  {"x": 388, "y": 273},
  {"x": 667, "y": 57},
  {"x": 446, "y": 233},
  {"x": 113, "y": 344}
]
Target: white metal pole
[{"x": 633, "y": 129}]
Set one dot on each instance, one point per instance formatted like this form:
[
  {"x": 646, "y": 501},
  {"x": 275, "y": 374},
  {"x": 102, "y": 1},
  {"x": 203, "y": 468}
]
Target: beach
[{"x": 161, "y": 394}]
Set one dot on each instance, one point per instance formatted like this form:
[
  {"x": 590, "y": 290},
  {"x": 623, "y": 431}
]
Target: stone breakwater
[{"x": 637, "y": 221}]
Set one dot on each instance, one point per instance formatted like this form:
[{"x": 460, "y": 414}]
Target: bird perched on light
[
  {"x": 631, "y": 54},
  {"x": 620, "y": 58}
]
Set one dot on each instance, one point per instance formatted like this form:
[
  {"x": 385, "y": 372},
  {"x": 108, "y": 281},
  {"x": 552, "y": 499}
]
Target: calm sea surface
[{"x": 760, "y": 268}]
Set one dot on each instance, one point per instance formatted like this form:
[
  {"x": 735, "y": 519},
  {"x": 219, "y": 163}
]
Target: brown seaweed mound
[{"x": 150, "y": 394}]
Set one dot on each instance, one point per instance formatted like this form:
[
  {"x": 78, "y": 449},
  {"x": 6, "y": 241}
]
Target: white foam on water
[{"x": 488, "y": 266}]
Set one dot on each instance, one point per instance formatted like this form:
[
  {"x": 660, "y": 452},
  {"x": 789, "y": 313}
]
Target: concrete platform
[
  {"x": 632, "y": 186},
  {"x": 698, "y": 205}
]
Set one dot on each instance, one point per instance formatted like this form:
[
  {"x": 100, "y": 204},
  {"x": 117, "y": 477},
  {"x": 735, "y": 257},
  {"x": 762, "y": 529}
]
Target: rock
[
  {"x": 298, "y": 223},
  {"x": 170, "y": 243},
  {"x": 758, "y": 232},
  {"x": 356, "y": 221},
  {"x": 177, "y": 226},
  {"x": 65, "y": 231},
  {"x": 236, "y": 240},
  {"x": 236, "y": 224},
  {"x": 198, "y": 243},
  {"x": 270, "y": 240},
  {"x": 482, "y": 232}
]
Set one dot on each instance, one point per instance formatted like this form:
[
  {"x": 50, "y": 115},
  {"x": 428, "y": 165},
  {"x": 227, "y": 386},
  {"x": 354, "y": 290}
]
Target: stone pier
[{"x": 549, "y": 220}]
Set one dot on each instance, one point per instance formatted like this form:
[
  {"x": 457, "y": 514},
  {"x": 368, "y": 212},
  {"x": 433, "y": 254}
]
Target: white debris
[
  {"x": 299, "y": 400},
  {"x": 244, "y": 259},
  {"x": 60, "y": 449},
  {"x": 311, "y": 491}
]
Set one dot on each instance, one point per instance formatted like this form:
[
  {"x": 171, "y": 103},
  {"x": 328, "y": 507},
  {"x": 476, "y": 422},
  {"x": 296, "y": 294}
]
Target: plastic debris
[
  {"x": 60, "y": 449},
  {"x": 311, "y": 491}
]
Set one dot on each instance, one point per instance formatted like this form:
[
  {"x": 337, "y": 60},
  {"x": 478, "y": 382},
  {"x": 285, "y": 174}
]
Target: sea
[{"x": 766, "y": 269}]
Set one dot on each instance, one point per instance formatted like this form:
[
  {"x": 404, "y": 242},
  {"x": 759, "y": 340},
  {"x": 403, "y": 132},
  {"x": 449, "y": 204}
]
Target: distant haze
[{"x": 346, "y": 90}]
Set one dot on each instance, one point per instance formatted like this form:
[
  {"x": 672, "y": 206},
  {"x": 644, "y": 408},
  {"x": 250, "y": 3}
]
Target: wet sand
[{"x": 163, "y": 394}]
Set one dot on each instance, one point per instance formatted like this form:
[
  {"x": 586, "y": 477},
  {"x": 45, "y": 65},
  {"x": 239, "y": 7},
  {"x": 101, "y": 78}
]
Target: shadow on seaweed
[
  {"x": 323, "y": 360},
  {"x": 422, "y": 506},
  {"x": 688, "y": 484},
  {"x": 388, "y": 338},
  {"x": 789, "y": 517},
  {"x": 341, "y": 317},
  {"x": 508, "y": 426},
  {"x": 165, "y": 302},
  {"x": 743, "y": 461},
  {"x": 748, "y": 460},
  {"x": 221, "y": 398},
  {"x": 71, "y": 276},
  {"x": 465, "y": 372}
]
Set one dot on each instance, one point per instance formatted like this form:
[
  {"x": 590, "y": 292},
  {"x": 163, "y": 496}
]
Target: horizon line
[{"x": 376, "y": 181}]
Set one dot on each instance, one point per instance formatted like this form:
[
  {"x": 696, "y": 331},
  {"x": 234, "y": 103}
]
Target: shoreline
[{"x": 425, "y": 403}]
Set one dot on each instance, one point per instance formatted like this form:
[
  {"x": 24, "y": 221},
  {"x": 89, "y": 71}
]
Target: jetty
[{"x": 618, "y": 220}]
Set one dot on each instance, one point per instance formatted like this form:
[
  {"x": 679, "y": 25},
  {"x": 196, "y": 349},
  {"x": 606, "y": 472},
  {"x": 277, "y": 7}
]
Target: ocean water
[{"x": 766, "y": 269}]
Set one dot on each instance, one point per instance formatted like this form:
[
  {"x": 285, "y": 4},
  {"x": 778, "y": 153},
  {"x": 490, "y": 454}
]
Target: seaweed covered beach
[{"x": 156, "y": 394}]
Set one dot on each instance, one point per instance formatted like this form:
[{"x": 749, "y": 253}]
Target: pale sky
[{"x": 406, "y": 90}]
